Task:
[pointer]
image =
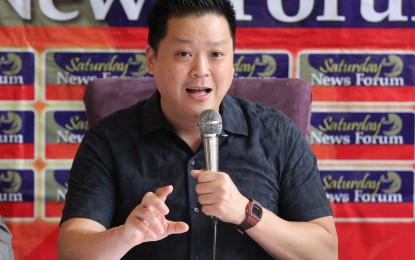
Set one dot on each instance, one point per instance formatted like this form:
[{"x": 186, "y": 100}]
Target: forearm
[
  {"x": 85, "y": 244},
  {"x": 295, "y": 240}
]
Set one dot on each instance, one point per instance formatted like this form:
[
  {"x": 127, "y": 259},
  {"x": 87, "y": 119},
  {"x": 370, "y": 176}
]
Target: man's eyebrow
[
  {"x": 189, "y": 41},
  {"x": 182, "y": 40}
]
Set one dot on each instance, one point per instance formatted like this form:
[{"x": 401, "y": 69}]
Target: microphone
[{"x": 210, "y": 126}]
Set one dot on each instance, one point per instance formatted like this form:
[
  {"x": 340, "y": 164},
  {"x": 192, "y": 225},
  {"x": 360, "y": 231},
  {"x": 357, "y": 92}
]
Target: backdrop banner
[{"x": 358, "y": 56}]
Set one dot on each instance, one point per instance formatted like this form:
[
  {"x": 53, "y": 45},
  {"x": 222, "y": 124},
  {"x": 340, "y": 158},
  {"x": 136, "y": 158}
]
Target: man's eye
[
  {"x": 216, "y": 54},
  {"x": 183, "y": 54}
]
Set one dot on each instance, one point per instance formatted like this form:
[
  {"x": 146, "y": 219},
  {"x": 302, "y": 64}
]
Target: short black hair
[{"x": 163, "y": 10}]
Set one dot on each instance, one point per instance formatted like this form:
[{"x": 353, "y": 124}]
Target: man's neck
[{"x": 188, "y": 131}]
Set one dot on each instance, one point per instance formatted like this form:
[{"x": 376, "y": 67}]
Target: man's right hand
[
  {"x": 147, "y": 221},
  {"x": 82, "y": 238}
]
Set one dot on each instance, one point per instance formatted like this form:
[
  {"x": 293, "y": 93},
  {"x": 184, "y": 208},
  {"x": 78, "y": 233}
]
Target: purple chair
[{"x": 104, "y": 96}]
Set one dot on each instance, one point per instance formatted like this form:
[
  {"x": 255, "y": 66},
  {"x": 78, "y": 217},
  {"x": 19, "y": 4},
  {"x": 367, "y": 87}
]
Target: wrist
[
  {"x": 253, "y": 215},
  {"x": 122, "y": 234}
]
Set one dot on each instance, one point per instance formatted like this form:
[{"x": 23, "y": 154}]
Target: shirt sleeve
[
  {"x": 91, "y": 186},
  {"x": 302, "y": 194}
]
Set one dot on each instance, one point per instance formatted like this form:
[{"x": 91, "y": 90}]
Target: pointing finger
[{"x": 163, "y": 192}]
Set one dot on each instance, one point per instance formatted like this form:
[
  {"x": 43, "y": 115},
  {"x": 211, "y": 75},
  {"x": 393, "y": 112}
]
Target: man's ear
[{"x": 150, "y": 59}]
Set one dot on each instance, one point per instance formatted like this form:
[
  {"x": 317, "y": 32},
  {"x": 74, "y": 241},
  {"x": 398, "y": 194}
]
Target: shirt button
[
  {"x": 192, "y": 162},
  {"x": 196, "y": 210}
]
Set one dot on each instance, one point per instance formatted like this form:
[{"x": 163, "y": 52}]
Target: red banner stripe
[
  {"x": 65, "y": 92},
  {"x": 364, "y": 152},
  {"x": 17, "y": 209},
  {"x": 42, "y": 37},
  {"x": 361, "y": 38},
  {"x": 53, "y": 209},
  {"x": 376, "y": 241},
  {"x": 17, "y": 92},
  {"x": 373, "y": 210},
  {"x": 17, "y": 151},
  {"x": 352, "y": 93},
  {"x": 61, "y": 151}
]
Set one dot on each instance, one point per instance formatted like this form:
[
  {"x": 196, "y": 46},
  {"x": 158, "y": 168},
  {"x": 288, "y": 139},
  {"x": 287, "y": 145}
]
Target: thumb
[
  {"x": 176, "y": 227},
  {"x": 195, "y": 173}
]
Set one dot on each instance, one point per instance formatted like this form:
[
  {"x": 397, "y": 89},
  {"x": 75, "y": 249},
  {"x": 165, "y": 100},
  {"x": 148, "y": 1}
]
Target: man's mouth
[{"x": 198, "y": 91}]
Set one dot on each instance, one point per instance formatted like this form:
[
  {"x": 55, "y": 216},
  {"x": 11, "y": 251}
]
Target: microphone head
[{"x": 210, "y": 122}]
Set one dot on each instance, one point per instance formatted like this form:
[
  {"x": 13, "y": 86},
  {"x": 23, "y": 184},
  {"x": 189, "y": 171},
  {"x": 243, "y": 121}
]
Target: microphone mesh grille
[{"x": 210, "y": 122}]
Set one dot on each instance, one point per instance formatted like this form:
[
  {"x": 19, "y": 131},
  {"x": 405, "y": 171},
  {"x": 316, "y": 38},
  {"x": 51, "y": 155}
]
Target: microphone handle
[{"x": 211, "y": 147}]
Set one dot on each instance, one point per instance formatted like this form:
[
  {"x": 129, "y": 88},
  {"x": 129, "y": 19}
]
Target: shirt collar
[
  {"x": 152, "y": 118},
  {"x": 233, "y": 118}
]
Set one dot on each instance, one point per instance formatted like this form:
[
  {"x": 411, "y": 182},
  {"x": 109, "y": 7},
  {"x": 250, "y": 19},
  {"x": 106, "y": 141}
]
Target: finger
[
  {"x": 153, "y": 202},
  {"x": 176, "y": 227},
  {"x": 210, "y": 210},
  {"x": 163, "y": 192},
  {"x": 209, "y": 176},
  {"x": 201, "y": 175},
  {"x": 195, "y": 173},
  {"x": 150, "y": 220},
  {"x": 204, "y": 188},
  {"x": 211, "y": 182},
  {"x": 207, "y": 198},
  {"x": 141, "y": 225}
]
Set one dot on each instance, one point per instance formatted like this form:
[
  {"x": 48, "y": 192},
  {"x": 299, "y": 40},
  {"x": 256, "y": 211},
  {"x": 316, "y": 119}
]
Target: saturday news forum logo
[
  {"x": 17, "y": 134},
  {"x": 17, "y": 75},
  {"x": 261, "y": 65},
  {"x": 363, "y": 69},
  {"x": 67, "y": 73},
  {"x": 363, "y": 76},
  {"x": 370, "y": 194},
  {"x": 64, "y": 132},
  {"x": 17, "y": 193},
  {"x": 363, "y": 135}
]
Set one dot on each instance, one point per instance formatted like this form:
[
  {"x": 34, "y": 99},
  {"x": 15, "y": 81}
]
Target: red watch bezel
[{"x": 251, "y": 218}]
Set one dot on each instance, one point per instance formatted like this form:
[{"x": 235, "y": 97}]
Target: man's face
[{"x": 193, "y": 69}]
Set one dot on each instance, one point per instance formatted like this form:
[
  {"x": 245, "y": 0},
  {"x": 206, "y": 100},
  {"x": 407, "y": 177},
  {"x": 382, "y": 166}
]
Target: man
[{"x": 121, "y": 201}]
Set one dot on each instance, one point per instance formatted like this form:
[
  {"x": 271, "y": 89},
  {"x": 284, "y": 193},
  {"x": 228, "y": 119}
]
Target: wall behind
[{"x": 359, "y": 57}]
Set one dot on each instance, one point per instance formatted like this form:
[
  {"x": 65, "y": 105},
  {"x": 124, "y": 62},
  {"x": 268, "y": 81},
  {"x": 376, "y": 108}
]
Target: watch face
[{"x": 256, "y": 211}]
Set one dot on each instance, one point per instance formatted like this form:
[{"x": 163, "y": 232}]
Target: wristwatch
[{"x": 253, "y": 215}]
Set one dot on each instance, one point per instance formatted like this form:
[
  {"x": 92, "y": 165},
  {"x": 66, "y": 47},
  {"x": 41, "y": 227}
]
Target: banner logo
[
  {"x": 365, "y": 69},
  {"x": 17, "y": 134},
  {"x": 370, "y": 194},
  {"x": 67, "y": 73},
  {"x": 375, "y": 135},
  {"x": 11, "y": 182},
  {"x": 17, "y": 83},
  {"x": 17, "y": 193},
  {"x": 64, "y": 133},
  {"x": 11, "y": 124},
  {"x": 359, "y": 76},
  {"x": 11, "y": 65},
  {"x": 261, "y": 65}
]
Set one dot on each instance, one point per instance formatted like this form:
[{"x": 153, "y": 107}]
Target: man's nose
[{"x": 200, "y": 67}]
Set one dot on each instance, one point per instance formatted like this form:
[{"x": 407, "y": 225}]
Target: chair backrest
[{"x": 104, "y": 96}]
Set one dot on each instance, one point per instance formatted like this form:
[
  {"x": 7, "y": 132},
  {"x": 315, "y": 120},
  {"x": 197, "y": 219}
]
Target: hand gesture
[{"x": 147, "y": 221}]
